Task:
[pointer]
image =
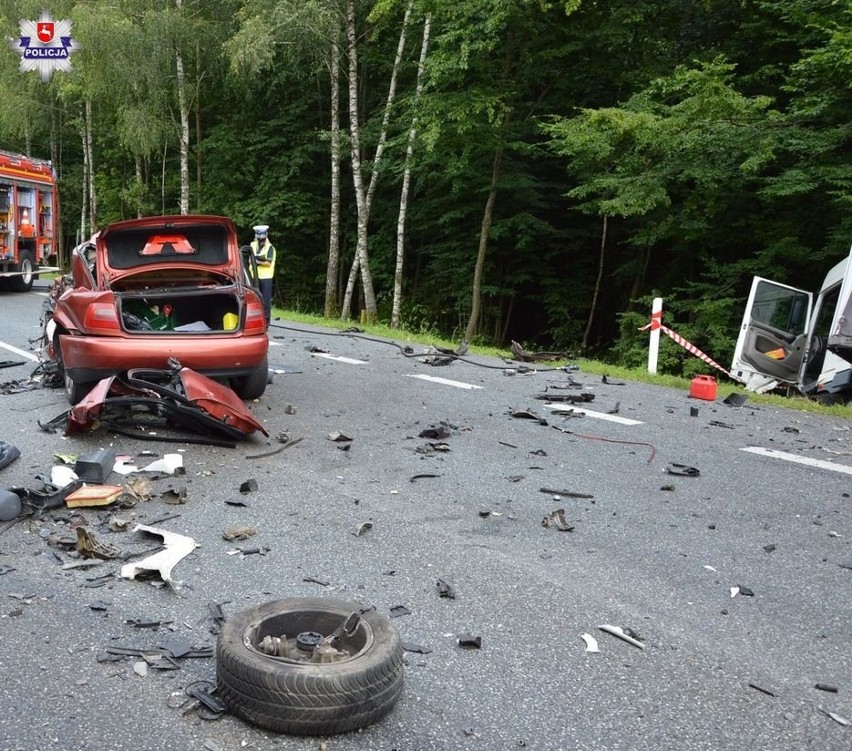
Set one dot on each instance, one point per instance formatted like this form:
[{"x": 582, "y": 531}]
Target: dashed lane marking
[
  {"x": 796, "y": 459},
  {"x": 444, "y": 381},
  {"x": 19, "y": 352},
  {"x": 558, "y": 407},
  {"x": 350, "y": 360}
]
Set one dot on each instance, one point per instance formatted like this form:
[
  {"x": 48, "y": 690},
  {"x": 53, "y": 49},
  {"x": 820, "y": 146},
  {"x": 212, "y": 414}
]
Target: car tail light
[
  {"x": 102, "y": 318},
  {"x": 255, "y": 317}
]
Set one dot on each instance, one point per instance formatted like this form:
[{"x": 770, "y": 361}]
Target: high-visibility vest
[{"x": 266, "y": 253}]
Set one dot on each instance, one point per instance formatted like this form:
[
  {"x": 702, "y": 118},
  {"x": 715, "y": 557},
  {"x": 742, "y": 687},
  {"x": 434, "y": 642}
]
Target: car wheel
[
  {"x": 76, "y": 391},
  {"x": 278, "y": 666},
  {"x": 252, "y": 385},
  {"x": 24, "y": 282}
]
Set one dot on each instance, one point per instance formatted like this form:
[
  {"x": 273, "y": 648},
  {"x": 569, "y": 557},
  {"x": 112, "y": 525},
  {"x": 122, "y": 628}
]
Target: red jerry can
[{"x": 703, "y": 387}]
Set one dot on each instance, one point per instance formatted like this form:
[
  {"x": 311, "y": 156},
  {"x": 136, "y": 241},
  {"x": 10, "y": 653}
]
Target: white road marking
[
  {"x": 562, "y": 407},
  {"x": 19, "y": 352},
  {"x": 350, "y": 360},
  {"x": 796, "y": 459},
  {"x": 444, "y": 381}
]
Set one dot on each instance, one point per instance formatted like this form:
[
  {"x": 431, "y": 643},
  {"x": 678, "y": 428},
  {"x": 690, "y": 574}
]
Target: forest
[{"x": 486, "y": 170}]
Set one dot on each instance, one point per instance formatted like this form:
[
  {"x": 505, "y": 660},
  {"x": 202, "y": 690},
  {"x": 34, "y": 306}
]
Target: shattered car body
[
  {"x": 143, "y": 291},
  {"x": 788, "y": 338},
  {"x": 181, "y": 396}
]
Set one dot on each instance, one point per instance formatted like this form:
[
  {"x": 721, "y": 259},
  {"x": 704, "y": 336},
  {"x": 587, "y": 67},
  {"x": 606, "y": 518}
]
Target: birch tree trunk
[
  {"x": 184, "y": 127},
  {"x": 485, "y": 230},
  {"x": 406, "y": 181},
  {"x": 93, "y": 208},
  {"x": 332, "y": 268},
  {"x": 84, "y": 203},
  {"x": 598, "y": 283},
  {"x": 360, "y": 260}
]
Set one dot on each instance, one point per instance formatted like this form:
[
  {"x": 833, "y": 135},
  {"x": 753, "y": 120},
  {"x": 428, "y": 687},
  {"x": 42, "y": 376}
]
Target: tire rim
[
  {"x": 294, "y": 622},
  {"x": 26, "y": 270}
]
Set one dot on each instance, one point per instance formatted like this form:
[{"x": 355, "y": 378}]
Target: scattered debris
[
  {"x": 89, "y": 547},
  {"x": 682, "y": 470},
  {"x": 249, "y": 486},
  {"x": 445, "y": 590},
  {"x": 338, "y": 437},
  {"x": 469, "y": 641},
  {"x": 361, "y": 528},
  {"x": 565, "y": 493},
  {"x": 622, "y": 634},
  {"x": 557, "y": 519},
  {"x": 399, "y": 610},
  {"x": 96, "y": 466},
  {"x": 720, "y": 424},
  {"x": 287, "y": 444},
  {"x": 826, "y": 687},
  {"x": 177, "y": 548},
  {"x": 416, "y": 648},
  {"x": 8, "y": 454},
  {"x": 761, "y": 689},
  {"x": 526, "y": 414},
  {"x": 735, "y": 400},
  {"x": 612, "y": 383},
  {"x": 770, "y": 547},
  {"x": 238, "y": 533},
  {"x": 440, "y": 431},
  {"x": 414, "y": 478},
  {"x": 840, "y": 719},
  {"x": 667, "y": 487},
  {"x": 693, "y": 411},
  {"x": 314, "y": 580},
  {"x": 519, "y": 353},
  {"x": 591, "y": 642}
]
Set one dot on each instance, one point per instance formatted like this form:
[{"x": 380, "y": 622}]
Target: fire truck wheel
[
  {"x": 302, "y": 693},
  {"x": 23, "y": 282}
]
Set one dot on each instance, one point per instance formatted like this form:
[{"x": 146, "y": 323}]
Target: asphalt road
[{"x": 717, "y": 671}]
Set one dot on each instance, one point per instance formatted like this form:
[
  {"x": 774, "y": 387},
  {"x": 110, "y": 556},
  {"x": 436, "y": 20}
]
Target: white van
[{"x": 787, "y": 340}]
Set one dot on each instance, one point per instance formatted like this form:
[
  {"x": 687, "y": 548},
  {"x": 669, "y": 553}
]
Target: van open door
[
  {"x": 840, "y": 334},
  {"x": 773, "y": 336}
]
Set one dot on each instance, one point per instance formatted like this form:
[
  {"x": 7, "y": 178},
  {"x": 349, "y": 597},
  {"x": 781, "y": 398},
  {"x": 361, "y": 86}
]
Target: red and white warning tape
[{"x": 656, "y": 323}]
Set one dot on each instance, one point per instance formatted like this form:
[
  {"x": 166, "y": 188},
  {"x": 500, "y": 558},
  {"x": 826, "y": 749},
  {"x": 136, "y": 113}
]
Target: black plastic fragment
[
  {"x": 416, "y": 648},
  {"x": 826, "y": 687},
  {"x": 249, "y": 486},
  {"x": 745, "y": 591},
  {"x": 682, "y": 470},
  {"x": 445, "y": 590},
  {"x": 399, "y": 610},
  {"x": 469, "y": 641},
  {"x": 735, "y": 400}
]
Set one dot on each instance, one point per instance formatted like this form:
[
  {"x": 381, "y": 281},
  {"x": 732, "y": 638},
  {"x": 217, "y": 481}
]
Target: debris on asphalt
[
  {"x": 174, "y": 496},
  {"x": 667, "y": 487},
  {"x": 527, "y": 414},
  {"x": 828, "y": 687},
  {"x": 8, "y": 454},
  {"x": 682, "y": 470},
  {"x": 741, "y": 590},
  {"x": 565, "y": 493},
  {"x": 621, "y": 634},
  {"x": 96, "y": 466},
  {"x": 557, "y": 519},
  {"x": 398, "y": 611},
  {"x": 524, "y": 355},
  {"x": 840, "y": 719},
  {"x": 89, "y": 547},
  {"x": 735, "y": 400},
  {"x": 238, "y": 533},
  {"x": 761, "y": 689},
  {"x": 314, "y": 580},
  {"x": 591, "y": 642},
  {"x": 423, "y": 476},
  {"x": 770, "y": 547},
  {"x": 170, "y": 464},
  {"x": 438, "y": 431},
  {"x": 433, "y": 447},
  {"x": 361, "y": 528},
  {"x": 693, "y": 411},
  {"x": 94, "y": 495},
  {"x": 272, "y": 452},
  {"x": 720, "y": 424},
  {"x": 612, "y": 383},
  {"x": 469, "y": 641},
  {"x": 445, "y": 590},
  {"x": 416, "y": 648},
  {"x": 249, "y": 486},
  {"x": 162, "y": 562},
  {"x": 338, "y": 437},
  {"x": 10, "y": 505}
]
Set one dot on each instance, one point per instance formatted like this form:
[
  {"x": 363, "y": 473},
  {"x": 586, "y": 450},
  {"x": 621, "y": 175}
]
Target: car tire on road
[
  {"x": 24, "y": 282},
  {"x": 254, "y": 384},
  {"x": 309, "y": 698}
]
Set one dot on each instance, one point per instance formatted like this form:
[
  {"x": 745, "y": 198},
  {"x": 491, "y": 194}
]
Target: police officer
[{"x": 264, "y": 254}]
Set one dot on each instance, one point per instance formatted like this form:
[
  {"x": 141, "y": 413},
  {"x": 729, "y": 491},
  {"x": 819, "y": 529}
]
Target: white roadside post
[{"x": 654, "y": 345}]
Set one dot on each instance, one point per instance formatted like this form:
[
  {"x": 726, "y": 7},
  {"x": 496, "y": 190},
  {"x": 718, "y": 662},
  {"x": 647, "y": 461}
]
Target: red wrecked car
[{"x": 144, "y": 291}]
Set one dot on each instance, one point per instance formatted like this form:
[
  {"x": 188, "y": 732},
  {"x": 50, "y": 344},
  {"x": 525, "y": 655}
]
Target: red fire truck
[{"x": 28, "y": 210}]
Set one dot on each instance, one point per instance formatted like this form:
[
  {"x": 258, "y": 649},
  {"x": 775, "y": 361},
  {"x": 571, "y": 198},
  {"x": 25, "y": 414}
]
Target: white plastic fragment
[
  {"x": 62, "y": 475},
  {"x": 168, "y": 464},
  {"x": 710, "y": 568},
  {"x": 591, "y": 642},
  {"x": 735, "y": 591},
  {"x": 840, "y": 719},
  {"x": 177, "y": 548},
  {"x": 619, "y": 632}
]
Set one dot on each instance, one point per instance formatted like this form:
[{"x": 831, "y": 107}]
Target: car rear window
[{"x": 206, "y": 245}]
